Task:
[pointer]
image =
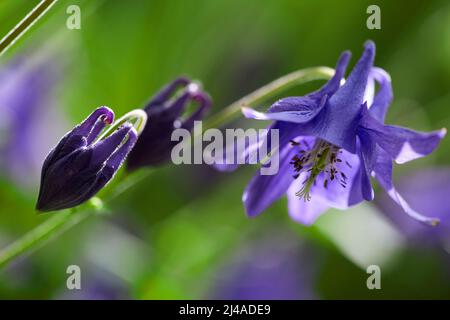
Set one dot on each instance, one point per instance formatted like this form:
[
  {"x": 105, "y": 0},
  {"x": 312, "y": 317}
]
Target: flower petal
[
  {"x": 85, "y": 128},
  {"x": 165, "y": 93},
  {"x": 350, "y": 96},
  {"x": 366, "y": 155},
  {"x": 401, "y": 144},
  {"x": 103, "y": 149},
  {"x": 383, "y": 98},
  {"x": 313, "y": 100},
  {"x": 304, "y": 212},
  {"x": 265, "y": 189},
  {"x": 383, "y": 173},
  {"x": 334, "y": 83},
  {"x": 204, "y": 103},
  {"x": 338, "y": 121},
  {"x": 297, "y": 110}
]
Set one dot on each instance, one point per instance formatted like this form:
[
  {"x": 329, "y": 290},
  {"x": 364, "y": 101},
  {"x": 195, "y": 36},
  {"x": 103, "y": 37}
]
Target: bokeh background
[{"x": 181, "y": 233}]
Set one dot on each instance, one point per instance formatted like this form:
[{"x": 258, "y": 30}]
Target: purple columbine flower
[
  {"x": 331, "y": 142},
  {"x": 79, "y": 166},
  {"x": 165, "y": 114}
]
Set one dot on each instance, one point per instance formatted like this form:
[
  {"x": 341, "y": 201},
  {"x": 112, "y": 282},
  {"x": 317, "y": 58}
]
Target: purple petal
[
  {"x": 305, "y": 212},
  {"x": 265, "y": 189},
  {"x": 296, "y": 110},
  {"x": 165, "y": 93},
  {"x": 117, "y": 158},
  {"x": 334, "y": 83},
  {"x": 367, "y": 155},
  {"x": 383, "y": 173},
  {"x": 313, "y": 102},
  {"x": 350, "y": 96},
  {"x": 102, "y": 113},
  {"x": 401, "y": 144},
  {"x": 338, "y": 121},
  {"x": 384, "y": 96},
  {"x": 204, "y": 103},
  {"x": 103, "y": 149}
]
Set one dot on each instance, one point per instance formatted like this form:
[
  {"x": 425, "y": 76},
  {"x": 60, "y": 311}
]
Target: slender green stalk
[
  {"x": 65, "y": 220},
  {"x": 50, "y": 228},
  {"x": 26, "y": 23}
]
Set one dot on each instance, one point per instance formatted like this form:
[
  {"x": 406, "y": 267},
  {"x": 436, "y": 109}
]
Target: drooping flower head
[
  {"x": 165, "y": 112},
  {"x": 331, "y": 142},
  {"x": 80, "y": 165}
]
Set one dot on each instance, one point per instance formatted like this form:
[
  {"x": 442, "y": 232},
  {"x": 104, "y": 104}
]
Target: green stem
[
  {"x": 64, "y": 220},
  {"x": 51, "y": 227},
  {"x": 31, "y": 18}
]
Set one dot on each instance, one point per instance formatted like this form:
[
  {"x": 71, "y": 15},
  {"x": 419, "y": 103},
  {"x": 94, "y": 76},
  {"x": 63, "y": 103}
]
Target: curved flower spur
[
  {"x": 331, "y": 142},
  {"x": 165, "y": 112},
  {"x": 82, "y": 163}
]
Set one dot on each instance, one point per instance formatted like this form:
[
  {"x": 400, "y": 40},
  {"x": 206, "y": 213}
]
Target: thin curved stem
[
  {"x": 50, "y": 228},
  {"x": 64, "y": 220},
  {"x": 26, "y": 23}
]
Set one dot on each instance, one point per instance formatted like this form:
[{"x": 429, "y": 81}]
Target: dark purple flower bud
[
  {"x": 165, "y": 113},
  {"x": 80, "y": 165}
]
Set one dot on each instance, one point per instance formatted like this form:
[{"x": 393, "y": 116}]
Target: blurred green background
[{"x": 182, "y": 232}]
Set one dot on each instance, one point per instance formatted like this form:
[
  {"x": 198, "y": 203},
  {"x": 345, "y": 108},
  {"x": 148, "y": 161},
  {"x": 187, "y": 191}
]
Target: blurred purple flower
[
  {"x": 427, "y": 190},
  {"x": 331, "y": 142},
  {"x": 79, "y": 166},
  {"x": 29, "y": 120},
  {"x": 165, "y": 112},
  {"x": 274, "y": 268}
]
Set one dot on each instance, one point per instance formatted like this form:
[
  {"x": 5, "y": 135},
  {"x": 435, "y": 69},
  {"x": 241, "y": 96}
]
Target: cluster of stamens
[{"x": 322, "y": 158}]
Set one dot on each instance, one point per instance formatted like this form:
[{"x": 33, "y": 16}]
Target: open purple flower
[
  {"x": 79, "y": 166},
  {"x": 165, "y": 112},
  {"x": 331, "y": 142}
]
